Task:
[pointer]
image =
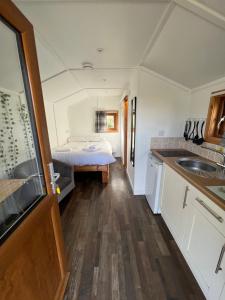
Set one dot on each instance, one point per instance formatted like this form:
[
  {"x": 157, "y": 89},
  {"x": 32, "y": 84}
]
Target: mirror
[
  {"x": 133, "y": 130},
  {"x": 21, "y": 174}
]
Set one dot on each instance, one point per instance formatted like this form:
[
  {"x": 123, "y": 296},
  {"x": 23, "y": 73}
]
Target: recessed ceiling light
[
  {"x": 87, "y": 66},
  {"x": 100, "y": 50}
]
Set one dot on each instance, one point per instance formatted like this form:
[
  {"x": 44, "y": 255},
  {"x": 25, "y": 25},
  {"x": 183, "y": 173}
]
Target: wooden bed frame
[{"x": 95, "y": 168}]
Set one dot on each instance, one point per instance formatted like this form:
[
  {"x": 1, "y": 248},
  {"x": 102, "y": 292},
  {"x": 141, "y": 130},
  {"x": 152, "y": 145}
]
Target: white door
[
  {"x": 203, "y": 245},
  {"x": 152, "y": 185},
  {"x": 174, "y": 194},
  {"x": 222, "y": 296}
]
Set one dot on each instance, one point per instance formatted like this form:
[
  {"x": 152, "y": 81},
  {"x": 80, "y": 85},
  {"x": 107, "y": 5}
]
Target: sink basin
[{"x": 198, "y": 167}]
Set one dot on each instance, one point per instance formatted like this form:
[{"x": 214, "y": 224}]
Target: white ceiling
[
  {"x": 49, "y": 63},
  {"x": 59, "y": 87},
  {"x": 217, "y": 5},
  {"x": 105, "y": 92},
  {"x": 106, "y": 78},
  {"x": 76, "y": 30},
  {"x": 189, "y": 50},
  {"x": 172, "y": 40}
]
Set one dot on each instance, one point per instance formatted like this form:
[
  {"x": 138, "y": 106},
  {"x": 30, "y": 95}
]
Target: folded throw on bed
[{"x": 91, "y": 148}]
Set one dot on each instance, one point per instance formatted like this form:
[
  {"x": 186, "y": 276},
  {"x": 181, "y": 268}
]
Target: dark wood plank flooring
[{"x": 117, "y": 249}]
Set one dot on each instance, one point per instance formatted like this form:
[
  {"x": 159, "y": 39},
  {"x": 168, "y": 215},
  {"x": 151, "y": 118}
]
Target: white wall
[
  {"x": 58, "y": 120},
  {"x": 132, "y": 93},
  {"x": 200, "y": 98},
  {"x": 50, "y": 116},
  {"x": 162, "y": 107},
  {"x": 75, "y": 115},
  {"x": 81, "y": 117}
]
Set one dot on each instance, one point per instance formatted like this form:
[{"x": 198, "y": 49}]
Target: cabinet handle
[
  {"x": 185, "y": 197},
  {"x": 212, "y": 212},
  {"x": 218, "y": 266}
]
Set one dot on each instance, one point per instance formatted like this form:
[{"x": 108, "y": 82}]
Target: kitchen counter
[{"x": 199, "y": 182}]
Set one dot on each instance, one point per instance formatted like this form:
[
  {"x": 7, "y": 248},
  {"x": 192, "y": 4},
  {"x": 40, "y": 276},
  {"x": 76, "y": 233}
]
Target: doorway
[{"x": 125, "y": 130}]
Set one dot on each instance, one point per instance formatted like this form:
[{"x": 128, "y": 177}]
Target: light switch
[{"x": 161, "y": 133}]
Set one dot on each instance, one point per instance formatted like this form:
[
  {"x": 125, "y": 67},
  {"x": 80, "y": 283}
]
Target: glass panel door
[{"x": 22, "y": 183}]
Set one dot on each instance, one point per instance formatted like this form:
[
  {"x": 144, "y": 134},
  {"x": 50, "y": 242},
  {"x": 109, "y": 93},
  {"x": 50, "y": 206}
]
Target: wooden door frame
[
  {"x": 125, "y": 129},
  {"x": 48, "y": 207},
  {"x": 16, "y": 19}
]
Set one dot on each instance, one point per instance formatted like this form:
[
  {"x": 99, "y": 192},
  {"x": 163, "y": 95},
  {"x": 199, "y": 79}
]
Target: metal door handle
[
  {"x": 53, "y": 177},
  {"x": 56, "y": 176},
  {"x": 218, "y": 266},
  {"x": 185, "y": 197},
  {"x": 212, "y": 212}
]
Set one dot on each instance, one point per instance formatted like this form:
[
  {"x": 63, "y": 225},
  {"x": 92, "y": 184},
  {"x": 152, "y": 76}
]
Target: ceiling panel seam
[
  {"x": 82, "y": 90},
  {"x": 166, "y": 79},
  {"x": 203, "y": 11},
  {"x": 159, "y": 27},
  {"x": 208, "y": 85},
  {"x": 53, "y": 52}
]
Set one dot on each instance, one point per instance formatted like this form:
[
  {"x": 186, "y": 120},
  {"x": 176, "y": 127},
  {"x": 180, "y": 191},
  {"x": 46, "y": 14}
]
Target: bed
[{"x": 86, "y": 154}]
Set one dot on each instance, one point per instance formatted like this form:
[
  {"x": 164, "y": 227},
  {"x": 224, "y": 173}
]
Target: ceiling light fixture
[
  {"x": 100, "y": 50},
  {"x": 87, "y": 66}
]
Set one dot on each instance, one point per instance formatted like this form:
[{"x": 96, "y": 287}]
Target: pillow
[
  {"x": 94, "y": 138},
  {"x": 76, "y": 139}
]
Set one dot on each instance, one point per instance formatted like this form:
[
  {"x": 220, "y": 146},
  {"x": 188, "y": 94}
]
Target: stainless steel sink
[{"x": 198, "y": 167}]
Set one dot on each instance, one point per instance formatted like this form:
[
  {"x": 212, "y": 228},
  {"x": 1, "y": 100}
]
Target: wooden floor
[{"x": 117, "y": 249}]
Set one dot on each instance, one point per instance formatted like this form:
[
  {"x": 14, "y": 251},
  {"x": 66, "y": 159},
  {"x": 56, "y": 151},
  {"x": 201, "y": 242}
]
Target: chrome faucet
[
  {"x": 217, "y": 151},
  {"x": 220, "y": 121}
]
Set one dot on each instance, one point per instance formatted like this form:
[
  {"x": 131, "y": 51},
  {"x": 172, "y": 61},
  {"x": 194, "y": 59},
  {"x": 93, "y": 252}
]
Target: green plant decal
[{"x": 12, "y": 146}]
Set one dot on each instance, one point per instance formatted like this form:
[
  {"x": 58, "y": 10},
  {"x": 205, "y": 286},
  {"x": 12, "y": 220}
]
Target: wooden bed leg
[{"x": 105, "y": 175}]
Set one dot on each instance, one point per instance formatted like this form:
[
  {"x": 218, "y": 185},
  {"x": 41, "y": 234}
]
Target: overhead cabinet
[{"x": 198, "y": 227}]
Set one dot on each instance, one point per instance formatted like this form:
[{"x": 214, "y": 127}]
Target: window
[
  {"x": 106, "y": 121},
  {"x": 111, "y": 121},
  {"x": 215, "y": 125}
]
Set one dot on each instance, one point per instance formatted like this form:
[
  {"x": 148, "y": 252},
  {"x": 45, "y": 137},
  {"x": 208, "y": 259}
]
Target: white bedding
[{"x": 82, "y": 153}]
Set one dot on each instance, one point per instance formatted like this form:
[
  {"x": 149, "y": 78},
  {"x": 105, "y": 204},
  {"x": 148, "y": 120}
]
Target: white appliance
[{"x": 153, "y": 183}]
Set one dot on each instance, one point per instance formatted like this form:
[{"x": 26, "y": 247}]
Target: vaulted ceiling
[{"x": 183, "y": 40}]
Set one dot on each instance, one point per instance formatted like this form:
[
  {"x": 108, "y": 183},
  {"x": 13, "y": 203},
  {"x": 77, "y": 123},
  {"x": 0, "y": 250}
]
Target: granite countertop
[{"x": 200, "y": 183}]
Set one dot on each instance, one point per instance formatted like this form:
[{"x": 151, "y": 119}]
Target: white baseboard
[
  {"x": 138, "y": 192},
  {"x": 130, "y": 181}
]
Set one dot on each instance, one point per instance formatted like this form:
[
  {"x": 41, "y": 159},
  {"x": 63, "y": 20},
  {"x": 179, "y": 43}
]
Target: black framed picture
[{"x": 133, "y": 130}]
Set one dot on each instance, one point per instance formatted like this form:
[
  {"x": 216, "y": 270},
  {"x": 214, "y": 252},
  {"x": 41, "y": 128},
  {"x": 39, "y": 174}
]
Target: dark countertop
[{"x": 199, "y": 182}]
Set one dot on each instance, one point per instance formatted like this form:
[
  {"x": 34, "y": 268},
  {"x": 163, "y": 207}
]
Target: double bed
[{"x": 86, "y": 154}]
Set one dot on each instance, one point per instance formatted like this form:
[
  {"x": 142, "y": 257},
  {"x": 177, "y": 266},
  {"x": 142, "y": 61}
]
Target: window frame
[
  {"x": 115, "y": 114},
  {"x": 214, "y": 114}
]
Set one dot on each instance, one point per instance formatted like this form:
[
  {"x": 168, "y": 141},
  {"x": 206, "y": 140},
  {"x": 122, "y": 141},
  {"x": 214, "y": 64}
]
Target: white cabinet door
[
  {"x": 151, "y": 180},
  {"x": 203, "y": 245},
  {"x": 198, "y": 227},
  {"x": 222, "y": 296},
  {"x": 175, "y": 190}
]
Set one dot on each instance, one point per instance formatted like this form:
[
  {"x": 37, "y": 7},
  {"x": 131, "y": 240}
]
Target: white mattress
[{"x": 85, "y": 153}]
